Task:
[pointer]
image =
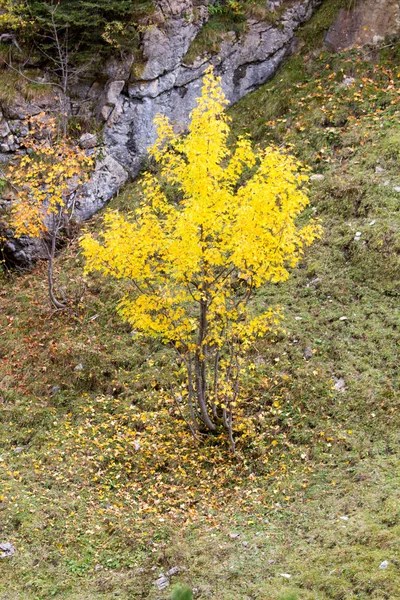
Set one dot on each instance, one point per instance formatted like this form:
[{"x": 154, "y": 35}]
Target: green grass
[
  {"x": 315, "y": 492},
  {"x": 13, "y": 84}
]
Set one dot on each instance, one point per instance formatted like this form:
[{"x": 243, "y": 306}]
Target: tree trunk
[
  {"x": 191, "y": 394},
  {"x": 201, "y": 368},
  {"x": 51, "y": 252}
]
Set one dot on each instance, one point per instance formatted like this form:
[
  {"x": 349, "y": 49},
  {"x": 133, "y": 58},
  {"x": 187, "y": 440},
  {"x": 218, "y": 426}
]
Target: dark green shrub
[{"x": 87, "y": 21}]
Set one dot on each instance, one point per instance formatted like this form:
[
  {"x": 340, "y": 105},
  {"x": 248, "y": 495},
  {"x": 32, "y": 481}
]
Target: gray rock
[
  {"x": 340, "y": 384},
  {"x": 348, "y": 82},
  {"x": 55, "y": 389},
  {"x": 379, "y": 170},
  {"x": 88, "y": 140},
  {"x": 363, "y": 23},
  {"x": 7, "y": 549},
  {"x": 316, "y": 282},
  {"x": 95, "y": 91},
  {"x": 23, "y": 252},
  {"x": 113, "y": 90},
  {"x": 308, "y": 353},
  {"x": 4, "y": 128},
  {"x": 396, "y": 189},
  {"x": 173, "y": 571},
  {"x": 384, "y": 564},
  {"x": 21, "y": 110},
  {"x": 108, "y": 178},
  {"x": 116, "y": 69},
  {"x": 162, "y": 582},
  {"x": 79, "y": 367},
  {"x": 272, "y": 5},
  {"x": 19, "y": 128},
  {"x": 317, "y": 177},
  {"x": 106, "y": 111}
]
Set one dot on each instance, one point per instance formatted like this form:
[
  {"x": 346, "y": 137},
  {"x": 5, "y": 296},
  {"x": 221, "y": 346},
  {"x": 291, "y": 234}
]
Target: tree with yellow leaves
[
  {"x": 45, "y": 180},
  {"x": 190, "y": 268}
]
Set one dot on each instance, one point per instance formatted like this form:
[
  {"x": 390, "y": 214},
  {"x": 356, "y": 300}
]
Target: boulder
[
  {"x": 108, "y": 178},
  {"x": 87, "y": 141},
  {"x": 368, "y": 22}
]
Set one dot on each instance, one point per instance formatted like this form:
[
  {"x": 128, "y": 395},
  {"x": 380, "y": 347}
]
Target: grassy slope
[{"x": 102, "y": 488}]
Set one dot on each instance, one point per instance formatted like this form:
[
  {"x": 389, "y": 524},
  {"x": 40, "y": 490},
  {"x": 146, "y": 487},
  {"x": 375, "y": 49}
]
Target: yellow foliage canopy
[
  {"x": 46, "y": 177},
  {"x": 233, "y": 229}
]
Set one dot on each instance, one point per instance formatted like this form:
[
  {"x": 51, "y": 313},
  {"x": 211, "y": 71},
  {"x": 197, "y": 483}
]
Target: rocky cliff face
[
  {"x": 166, "y": 81},
  {"x": 369, "y": 22},
  {"x": 166, "y": 75}
]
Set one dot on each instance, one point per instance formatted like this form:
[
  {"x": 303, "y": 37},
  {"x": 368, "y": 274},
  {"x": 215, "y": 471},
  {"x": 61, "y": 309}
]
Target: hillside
[{"x": 102, "y": 486}]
